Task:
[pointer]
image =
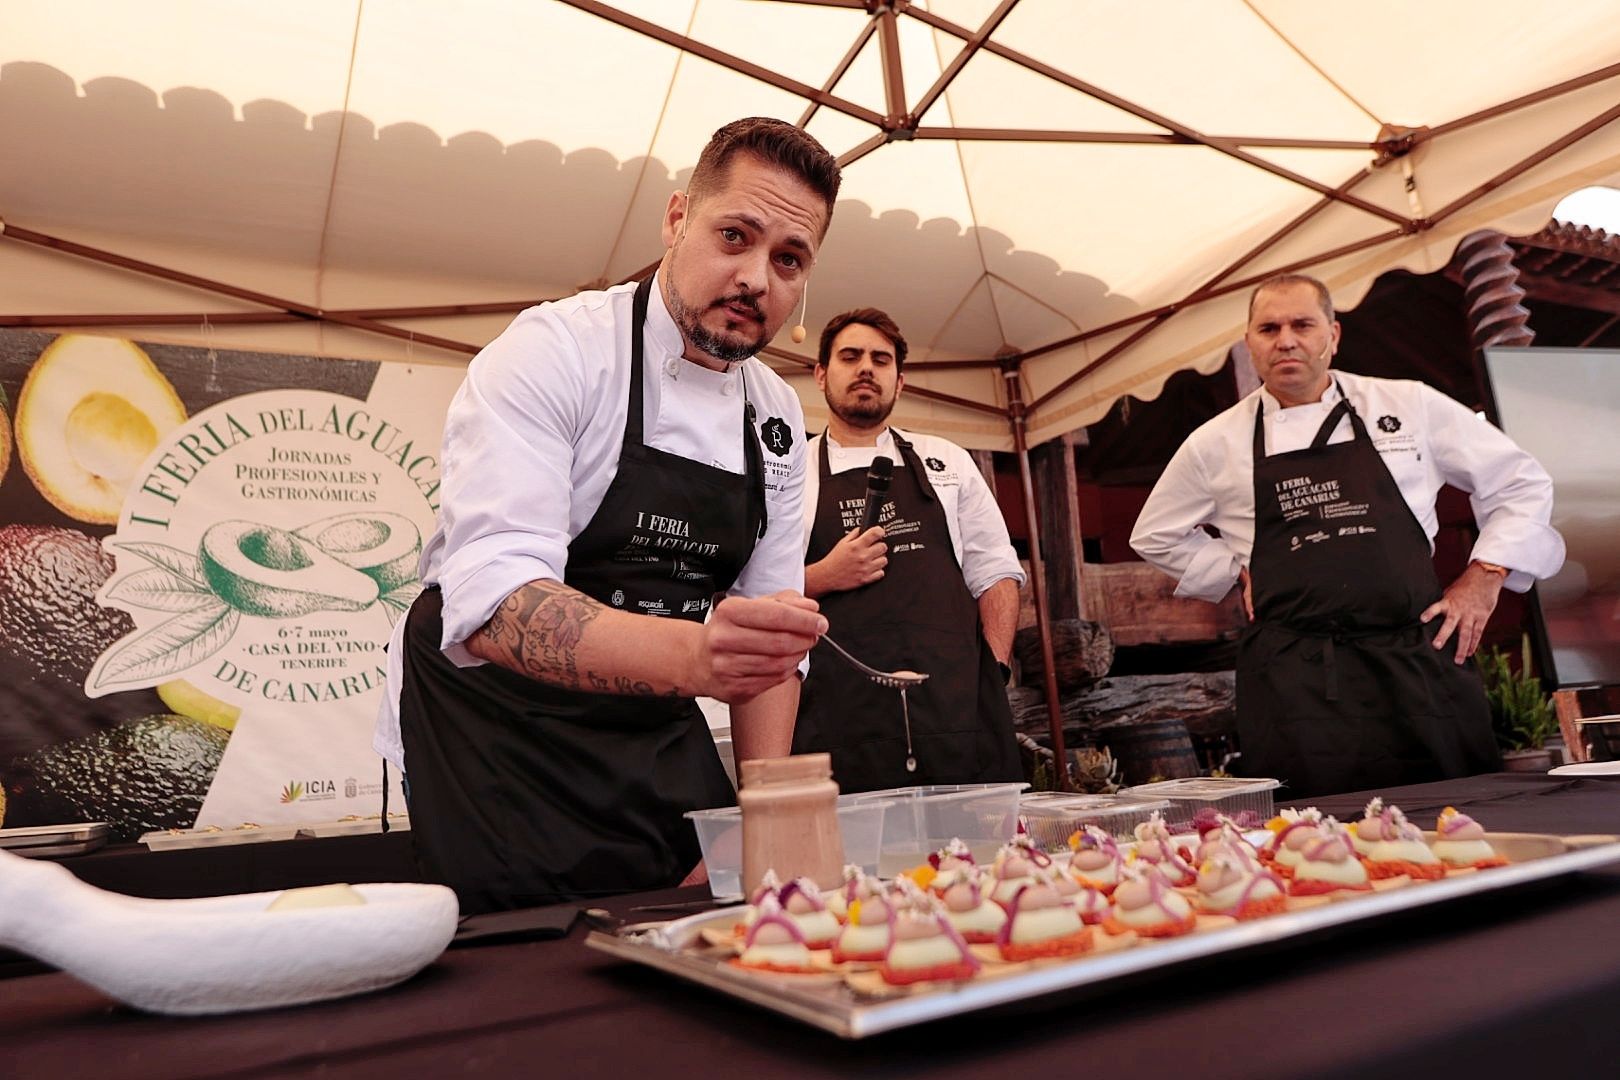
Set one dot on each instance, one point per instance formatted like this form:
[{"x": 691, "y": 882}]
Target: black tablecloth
[{"x": 1519, "y": 983}]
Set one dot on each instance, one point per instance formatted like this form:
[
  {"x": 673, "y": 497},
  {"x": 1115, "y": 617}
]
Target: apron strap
[
  {"x": 634, "y": 420},
  {"x": 1323, "y": 433},
  {"x": 635, "y": 417},
  {"x": 914, "y": 463},
  {"x": 907, "y": 454}
]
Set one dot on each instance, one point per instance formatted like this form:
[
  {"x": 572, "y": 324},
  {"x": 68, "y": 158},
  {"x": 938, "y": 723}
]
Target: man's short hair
[
  {"x": 776, "y": 143},
  {"x": 866, "y": 316},
  {"x": 1283, "y": 281}
]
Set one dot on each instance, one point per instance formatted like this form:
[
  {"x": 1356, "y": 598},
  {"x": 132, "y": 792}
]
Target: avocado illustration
[
  {"x": 145, "y": 774},
  {"x": 90, "y": 412},
  {"x": 49, "y": 618},
  {"x": 381, "y": 545},
  {"x": 261, "y": 570},
  {"x": 187, "y": 700}
]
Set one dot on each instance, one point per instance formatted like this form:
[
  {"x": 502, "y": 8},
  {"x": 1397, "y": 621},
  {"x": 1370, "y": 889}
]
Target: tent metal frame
[{"x": 903, "y": 123}]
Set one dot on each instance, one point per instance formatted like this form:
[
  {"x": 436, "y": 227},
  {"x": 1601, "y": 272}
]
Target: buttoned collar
[
  {"x": 885, "y": 440},
  {"x": 1330, "y": 396},
  {"x": 661, "y": 328}
]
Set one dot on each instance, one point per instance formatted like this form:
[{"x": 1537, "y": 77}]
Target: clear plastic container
[
  {"x": 1053, "y": 816},
  {"x": 1229, "y": 795},
  {"x": 921, "y": 820},
  {"x": 720, "y": 835}
]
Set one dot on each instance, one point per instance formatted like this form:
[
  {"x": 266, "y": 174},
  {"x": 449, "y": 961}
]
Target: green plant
[{"x": 1522, "y": 716}]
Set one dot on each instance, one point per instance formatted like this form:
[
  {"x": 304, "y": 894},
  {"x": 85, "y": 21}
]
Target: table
[{"x": 1497, "y": 985}]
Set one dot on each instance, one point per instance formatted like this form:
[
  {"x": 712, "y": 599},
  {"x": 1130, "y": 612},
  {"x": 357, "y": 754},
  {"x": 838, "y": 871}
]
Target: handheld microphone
[{"x": 877, "y": 489}]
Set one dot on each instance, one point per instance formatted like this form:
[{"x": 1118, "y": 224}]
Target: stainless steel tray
[
  {"x": 833, "y": 1006},
  {"x": 51, "y": 841}
]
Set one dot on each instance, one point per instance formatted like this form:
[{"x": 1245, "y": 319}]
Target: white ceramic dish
[{"x": 225, "y": 953}]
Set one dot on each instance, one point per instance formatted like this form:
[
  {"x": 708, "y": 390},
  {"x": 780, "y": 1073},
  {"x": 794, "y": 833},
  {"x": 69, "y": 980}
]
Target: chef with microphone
[
  {"x": 1355, "y": 670},
  {"x": 907, "y": 553}
]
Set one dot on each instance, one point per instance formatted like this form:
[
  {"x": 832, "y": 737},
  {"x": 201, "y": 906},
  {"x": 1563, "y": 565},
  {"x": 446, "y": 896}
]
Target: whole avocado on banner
[{"x": 201, "y": 557}]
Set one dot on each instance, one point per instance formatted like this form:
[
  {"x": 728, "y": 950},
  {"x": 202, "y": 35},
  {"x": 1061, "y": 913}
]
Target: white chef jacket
[
  {"x": 532, "y": 441},
  {"x": 978, "y": 531},
  {"x": 1426, "y": 440}
]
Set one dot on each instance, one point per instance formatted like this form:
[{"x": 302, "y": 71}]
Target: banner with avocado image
[{"x": 201, "y": 558}]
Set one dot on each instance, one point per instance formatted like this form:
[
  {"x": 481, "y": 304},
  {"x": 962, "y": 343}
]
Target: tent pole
[{"x": 1037, "y": 570}]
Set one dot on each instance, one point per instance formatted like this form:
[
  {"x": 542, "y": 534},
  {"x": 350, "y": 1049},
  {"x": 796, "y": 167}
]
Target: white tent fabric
[{"x": 1055, "y": 181}]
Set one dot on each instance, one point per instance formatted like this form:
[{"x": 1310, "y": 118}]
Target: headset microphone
[
  {"x": 798, "y": 332},
  {"x": 877, "y": 489}
]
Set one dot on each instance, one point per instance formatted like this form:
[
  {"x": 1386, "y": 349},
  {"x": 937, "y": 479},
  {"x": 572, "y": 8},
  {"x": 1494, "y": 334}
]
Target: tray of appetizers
[{"x": 951, "y": 937}]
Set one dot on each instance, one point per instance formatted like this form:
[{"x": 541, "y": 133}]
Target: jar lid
[{"x": 786, "y": 770}]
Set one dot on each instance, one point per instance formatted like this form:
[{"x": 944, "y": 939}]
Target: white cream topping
[
  {"x": 787, "y": 954},
  {"x": 816, "y": 925},
  {"x": 1463, "y": 852},
  {"x": 1006, "y": 890},
  {"x": 1044, "y": 924},
  {"x": 1225, "y": 898},
  {"x": 864, "y": 939},
  {"x": 1154, "y": 914},
  {"x": 1348, "y": 872},
  {"x": 1412, "y": 851},
  {"x": 984, "y": 919},
  {"x": 924, "y": 952}
]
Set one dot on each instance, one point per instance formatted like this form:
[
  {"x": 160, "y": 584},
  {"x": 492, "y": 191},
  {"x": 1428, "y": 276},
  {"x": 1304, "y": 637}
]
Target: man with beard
[
  {"x": 1322, "y": 487},
  {"x": 615, "y": 465},
  {"x": 933, "y": 587}
]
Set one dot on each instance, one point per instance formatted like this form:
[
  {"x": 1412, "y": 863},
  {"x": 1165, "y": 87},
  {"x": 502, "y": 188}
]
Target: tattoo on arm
[{"x": 536, "y": 631}]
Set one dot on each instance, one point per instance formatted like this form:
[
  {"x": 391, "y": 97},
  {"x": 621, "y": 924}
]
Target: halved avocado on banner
[
  {"x": 262, "y": 570},
  {"x": 90, "y": 412},
  {"x": 384, "y": 546}
]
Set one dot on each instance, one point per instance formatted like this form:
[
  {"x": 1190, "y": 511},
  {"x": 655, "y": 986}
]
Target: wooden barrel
[{"x": 1159, "y": 749}]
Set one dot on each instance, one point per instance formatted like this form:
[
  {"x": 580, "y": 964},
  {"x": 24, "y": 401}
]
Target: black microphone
[{"x": 877, "y": 489}]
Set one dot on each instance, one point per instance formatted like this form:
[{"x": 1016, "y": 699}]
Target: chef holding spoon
[{"x": 932, "y": 587}]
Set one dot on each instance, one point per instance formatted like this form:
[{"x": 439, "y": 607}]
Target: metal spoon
[{"x": 894, "y": 680}]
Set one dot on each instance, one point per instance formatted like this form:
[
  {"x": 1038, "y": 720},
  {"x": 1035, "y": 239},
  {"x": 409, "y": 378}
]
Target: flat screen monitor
[{"x": 1563, "y": 405}]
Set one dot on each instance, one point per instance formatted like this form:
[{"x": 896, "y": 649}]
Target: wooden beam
[{"x": 1058, "y": 495}]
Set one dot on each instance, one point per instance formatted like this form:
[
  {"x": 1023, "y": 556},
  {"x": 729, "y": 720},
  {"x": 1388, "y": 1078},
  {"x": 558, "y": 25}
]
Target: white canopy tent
[{"x": 1082, "y": 188}]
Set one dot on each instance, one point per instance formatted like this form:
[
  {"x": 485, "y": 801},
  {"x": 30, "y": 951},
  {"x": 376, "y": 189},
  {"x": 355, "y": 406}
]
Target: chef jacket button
[
  {"x": 1281, "y": 419},
  {"x": 673, "y": 366},
  {"x": 728, "y": 388}
]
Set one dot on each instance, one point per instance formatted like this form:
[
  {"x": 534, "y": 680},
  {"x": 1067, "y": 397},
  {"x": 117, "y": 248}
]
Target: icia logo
[{"x": 308, "y": 791}]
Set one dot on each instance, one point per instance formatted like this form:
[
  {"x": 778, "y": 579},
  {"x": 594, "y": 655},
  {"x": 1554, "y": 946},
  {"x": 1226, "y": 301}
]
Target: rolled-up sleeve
[
  {"x": 1168, "y": 532},
  {"x": 508, "y": 455},
  {"x": 1511, "y": 494},
  {"x": 987, "y": 552}
]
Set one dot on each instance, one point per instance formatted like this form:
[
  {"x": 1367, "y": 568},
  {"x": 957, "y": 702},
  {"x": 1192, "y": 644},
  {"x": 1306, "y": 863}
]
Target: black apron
[
  {"x": 918, "y": 616},
  {"x": 1339, "y": 687},
  {"x": 523, "y": 793}
]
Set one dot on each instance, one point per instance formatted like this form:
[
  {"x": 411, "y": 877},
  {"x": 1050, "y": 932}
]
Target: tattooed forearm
[{"x": 536, "y": 631}]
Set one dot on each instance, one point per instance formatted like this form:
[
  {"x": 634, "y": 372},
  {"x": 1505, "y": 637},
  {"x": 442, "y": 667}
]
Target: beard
[
  {"x": 724, "y": 348},
  {"x": 862, "y": 414}
]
